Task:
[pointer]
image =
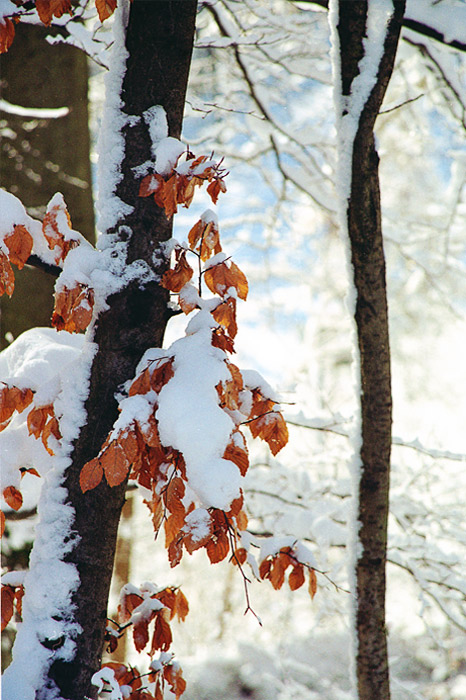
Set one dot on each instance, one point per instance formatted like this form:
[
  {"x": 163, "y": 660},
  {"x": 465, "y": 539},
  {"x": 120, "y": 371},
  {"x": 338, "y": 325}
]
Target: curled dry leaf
[
  {"x": 272, "y": 428},
  {"x": 174, "y": 280},
  {"x": 174, "y": 678},
  {"x": 312, "y": 583},
  {"x": 13, "y": 497},
  {"x": 162, "y": 637},
  {"x": 220, "y": 278},
  {"x": 91, "y": 475},
  {"x": 214, "y": 189},
  {"x": 73, "y": 308},
  {"x": 296, "y": 577},
  {"x": 205, "y": 236},
  {"x": 225, "y": 314},
  {"x": 7, "y": 34},
  {"x": 2, "y": 523},
  {"x": 105, "y": 8},
  {"x": 12, "y": 399},
  {"x": 7, "y": 278},
  {"x": 19, "y": 244},
  {"x": 8, "y": 597}
]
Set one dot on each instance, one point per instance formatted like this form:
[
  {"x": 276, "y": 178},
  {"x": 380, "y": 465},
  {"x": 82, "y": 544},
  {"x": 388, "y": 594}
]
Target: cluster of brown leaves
[
  {"x": 47, "y": 10},
  {"x": 178, "y": 188},
  {"x": 41, "y": 422},
  {"x": 170, "y": 675},
  {"x": 274, "y": 568},
  {"x": 73, "y": 307},
  {"x": 174, "y": 605},
  {"x": 11, "y": 599},
  {"x": 137, "y": 610},
  {"x": 19, "y": 244}
]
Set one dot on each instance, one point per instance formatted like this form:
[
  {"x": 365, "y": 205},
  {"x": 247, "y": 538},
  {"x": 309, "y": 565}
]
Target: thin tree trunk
[
  {"x": 363, "y": 220},
  {"x": 159, "y": 41}
]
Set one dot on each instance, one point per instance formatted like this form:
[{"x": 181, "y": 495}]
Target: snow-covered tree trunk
[
  {"x": 149, "y": 71},
  {"x": 365, "y": 38}
]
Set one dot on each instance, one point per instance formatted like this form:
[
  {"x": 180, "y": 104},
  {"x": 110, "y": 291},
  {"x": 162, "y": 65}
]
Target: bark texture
[
  {"x": 371, "y": 315},
  {"x": 159, "y": 41},
  {"x": 39, "y": 156}
]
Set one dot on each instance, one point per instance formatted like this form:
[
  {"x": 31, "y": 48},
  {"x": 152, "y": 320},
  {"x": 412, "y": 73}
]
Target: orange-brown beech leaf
[
  {"x": 54, "y": 216},
  {"x": 181, "y": 606},
  {"x": 205, "y": 233},
  {"x": 19, "y": 244},
  {"x": 175, "y": 551},
  {"x": 174, "y": 280},
  {"x": 220, "y": 278},
  {"x": 156, "y": 508},
  {"x": 161, "y": 374},
  {"x": 242, "y": 520},
  {"x": 29, "y": 470},
  {"x": 238, "y": 455},
  {"x": 2, "y": 523},
  {"x": 44, "y": 11},
  {"x": 296, "y": 577},
  {"x": 128, "y": 602},
  {"x": 7, "y": 34},
  {"x": 235, "y": 507},
  {"x": 240, "y": 556},
  {"x": 141, "y": 633},
  {"x": 13, "y": 497},
  {"x": 162, "y": 637},
  {"x": 124, "y": 675},
  {"x": 114, "y": 463},
  {"x": 280, "y": 563},
  {"x": 168, "y": 598},
  {"x": 13, "y": 399},
  {"x": 312, "y": 583},
  {"x": 91, "y": 475},
  {"x": 272, "y": 428},
  {"x": 173, "y": 495},
  {"x": 175, "y": 680},
  {"x": 172, "y": 526},
  {"x": 61, "y": 7},
  {"x": 8, "y": 597},
  {"x": 214, "y": 189},
  {"x": 73, "y": 308},
  {"x": 193, "y": 542},
  {"x": 7, "y": 278},
  {"x": 140, "y": 385},
  {"x": 51, "y": 428},
  {"x": 105, "y": 8},
  {"x": 222, "y": 341},
  {"x": 37, "y": 419},
  {"x": 150, "y": 184},
  {"x": 225, "y": 314},
  {"x": 218, "y": 546},
  {"x": 264, "y": 568},
  {"x": 129, "y": 443}
]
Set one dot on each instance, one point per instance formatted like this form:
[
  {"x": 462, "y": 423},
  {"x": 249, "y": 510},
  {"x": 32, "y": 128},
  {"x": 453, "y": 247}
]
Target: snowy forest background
[{"x": 260, "y": 95}]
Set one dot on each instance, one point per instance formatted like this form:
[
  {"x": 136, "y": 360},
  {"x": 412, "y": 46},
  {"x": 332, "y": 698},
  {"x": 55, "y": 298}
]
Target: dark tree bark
[
  {"x": 159, "y": 41},
  {"x": 363, "y": 217},
  {"x": 41, "y": 156}
]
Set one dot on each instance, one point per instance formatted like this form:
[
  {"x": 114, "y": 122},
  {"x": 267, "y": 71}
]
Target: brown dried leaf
[
  {"x": 162, "y": 637},
  {"x": 214, "y": 189},
  {"x": 13, "y": 399},
  {"x": 73, "y": 308},
  {"x": 225, "y": 314},
  {"x": 220, "y": 278},
  {"x": 7, "y": 34},
  {"x": 91, "y": 475},
  {"x": 114, "y": 463},
  {"x": 105, "y": 8},
  {"x": 296, "y": 577},
  {"x": 272, "y": 428},
  {"x": 7, "y": 278},
  {"x": 128, "y": 602},
  {"x": 8, "y": 596},
  {"x": 175, "y": 279},
  {"x": 161, "y": 374},
  {"x": 19, "y": 244},
  {"x": 312, "y": 583},
  {"x": 13, "y": 497},
  {"x": 140, "y": 385}
]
